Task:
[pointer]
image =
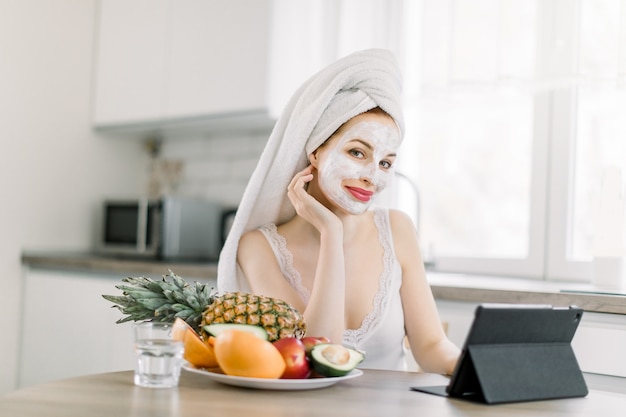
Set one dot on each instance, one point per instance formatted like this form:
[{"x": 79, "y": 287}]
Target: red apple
[
  {"x": 294, "y": 354},
  {"x": 311, "y": 341}
]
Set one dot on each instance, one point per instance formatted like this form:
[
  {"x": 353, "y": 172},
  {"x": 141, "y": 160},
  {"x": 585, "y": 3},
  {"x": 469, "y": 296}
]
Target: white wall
[{"x": 53, "y": 169}]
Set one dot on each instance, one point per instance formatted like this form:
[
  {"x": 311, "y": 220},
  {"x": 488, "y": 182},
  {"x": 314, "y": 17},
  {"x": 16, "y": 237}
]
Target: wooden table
[{"x": 375, "y": 393}]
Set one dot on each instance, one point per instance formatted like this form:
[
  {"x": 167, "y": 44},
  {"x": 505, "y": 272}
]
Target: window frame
[
  {"x": 553, "y": 161},
  {"x": 533, "y": 265}
]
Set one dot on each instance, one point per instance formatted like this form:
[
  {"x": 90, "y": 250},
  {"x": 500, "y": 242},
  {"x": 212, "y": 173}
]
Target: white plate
[{"x": 273, "y": 384}]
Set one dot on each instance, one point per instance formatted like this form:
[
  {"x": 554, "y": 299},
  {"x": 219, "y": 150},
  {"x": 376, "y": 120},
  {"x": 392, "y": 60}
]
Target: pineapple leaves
[{"x": 146, "y": 299}]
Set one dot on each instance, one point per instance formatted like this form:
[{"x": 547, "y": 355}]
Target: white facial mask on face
[{"x": 339, "y": 165}]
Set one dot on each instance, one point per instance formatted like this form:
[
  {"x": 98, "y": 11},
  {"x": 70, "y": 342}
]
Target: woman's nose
[{"x": 367, "y": 176}]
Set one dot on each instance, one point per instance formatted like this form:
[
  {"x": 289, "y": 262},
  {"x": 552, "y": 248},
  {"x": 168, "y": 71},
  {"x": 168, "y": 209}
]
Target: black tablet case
[{"x": 517, "y": 353}]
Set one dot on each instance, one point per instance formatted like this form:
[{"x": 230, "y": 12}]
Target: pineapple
[
  {"x": 278, "y": 318},
  {"x": 165, "y": 300}
]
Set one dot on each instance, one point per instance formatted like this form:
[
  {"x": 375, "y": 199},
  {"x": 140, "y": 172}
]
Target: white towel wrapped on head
[{"x": 352, "y": 85}]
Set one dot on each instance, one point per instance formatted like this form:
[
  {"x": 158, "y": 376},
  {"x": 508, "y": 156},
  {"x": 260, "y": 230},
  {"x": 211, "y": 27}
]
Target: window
[
  {"x": 515, "y": 113},
  {"x": 600, "y": 132}
]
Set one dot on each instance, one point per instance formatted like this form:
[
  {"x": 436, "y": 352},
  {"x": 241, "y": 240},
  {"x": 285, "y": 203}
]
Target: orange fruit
[
  {"x": 179, "y": 329},
  {"x": 240, "y": 353},
  {"x": 198, "y": 352}
]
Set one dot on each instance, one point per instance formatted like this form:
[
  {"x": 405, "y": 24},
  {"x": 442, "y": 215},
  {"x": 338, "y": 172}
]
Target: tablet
[{"x": 517, "y": 353}]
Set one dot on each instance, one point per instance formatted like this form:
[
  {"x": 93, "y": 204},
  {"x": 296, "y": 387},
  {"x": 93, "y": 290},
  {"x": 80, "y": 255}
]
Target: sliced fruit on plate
[
  {"x": 332, "y": 360},
  {"x": 198, "y": 352},
  {"x": 179, "y": 329},
  {"x": 218, "y": 328},
  {"x": 242, "y": 353}
]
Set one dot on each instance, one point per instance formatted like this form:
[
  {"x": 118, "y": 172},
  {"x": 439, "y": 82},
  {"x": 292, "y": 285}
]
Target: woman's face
[{"x": 356, "y": 162}]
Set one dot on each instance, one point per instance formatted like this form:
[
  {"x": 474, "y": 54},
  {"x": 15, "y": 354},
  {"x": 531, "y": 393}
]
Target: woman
[{"x": 307, "y": 233}]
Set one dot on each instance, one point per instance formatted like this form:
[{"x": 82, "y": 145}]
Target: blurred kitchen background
[{"x": 516, "y": 140}]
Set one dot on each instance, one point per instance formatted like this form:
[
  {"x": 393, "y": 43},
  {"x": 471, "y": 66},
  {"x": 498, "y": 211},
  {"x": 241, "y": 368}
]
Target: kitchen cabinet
[
  {"x": 218, "y": 56},
  {"x": 166, "y": 61},
  {"x": 68, "y": 329},
  {"x": 130, "y": 69}
]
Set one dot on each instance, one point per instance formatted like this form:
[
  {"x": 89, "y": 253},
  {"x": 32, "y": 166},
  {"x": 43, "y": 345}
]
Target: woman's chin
[{"x": 355, "y": 208}]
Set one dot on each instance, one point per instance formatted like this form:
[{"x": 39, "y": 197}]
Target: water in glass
[{"x": 158, "y": 362}]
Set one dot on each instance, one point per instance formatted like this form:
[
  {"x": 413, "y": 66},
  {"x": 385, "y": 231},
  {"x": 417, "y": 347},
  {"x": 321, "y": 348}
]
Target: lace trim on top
[
  {"x": 380, "y": 303},
  {"x": 285, "y": 260},
  {"x": 381, "y": 300}
]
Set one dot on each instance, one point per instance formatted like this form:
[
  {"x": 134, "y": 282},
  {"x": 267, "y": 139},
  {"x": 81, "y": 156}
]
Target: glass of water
[{"x": 158, "y": 358}]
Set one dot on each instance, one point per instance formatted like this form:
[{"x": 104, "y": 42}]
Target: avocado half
[
  {"x": 325, "y": 367},
  {"x": 216, "y": 328}
]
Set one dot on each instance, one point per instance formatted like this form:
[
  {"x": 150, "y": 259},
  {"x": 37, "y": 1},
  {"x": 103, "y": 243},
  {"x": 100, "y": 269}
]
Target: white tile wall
[{"x": 216, "y": 166}]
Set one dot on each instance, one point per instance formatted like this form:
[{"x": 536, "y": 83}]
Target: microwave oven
[{"x": 167, "y": 228}]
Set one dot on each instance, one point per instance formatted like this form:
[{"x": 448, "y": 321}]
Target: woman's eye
[
  {"x": 385, "y": 164},
  {"x": 357, "y": 153}
]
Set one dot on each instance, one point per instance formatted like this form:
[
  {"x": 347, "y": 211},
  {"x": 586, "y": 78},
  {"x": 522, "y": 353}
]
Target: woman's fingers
[
  {"x": 300, "y": 179},
  {"x": 305, "y": 204},
  {"x": 296, "y": 191}
]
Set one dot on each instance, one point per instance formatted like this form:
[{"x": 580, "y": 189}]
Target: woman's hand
[
  {"x": 307, "y": 206},
  {"x": 325, "y": 312}
]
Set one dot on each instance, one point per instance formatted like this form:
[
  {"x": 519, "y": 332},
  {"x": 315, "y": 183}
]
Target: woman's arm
[
  {"x": 262, "y": 271},
  {"x": 432, "y": 350},
  {"x": 325, "y": 312}
]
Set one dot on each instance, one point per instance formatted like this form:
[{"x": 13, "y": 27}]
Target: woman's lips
[{"x": 360, "y": 194}]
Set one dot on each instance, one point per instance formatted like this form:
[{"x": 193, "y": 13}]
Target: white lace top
[{"x": 381, "y": 334}]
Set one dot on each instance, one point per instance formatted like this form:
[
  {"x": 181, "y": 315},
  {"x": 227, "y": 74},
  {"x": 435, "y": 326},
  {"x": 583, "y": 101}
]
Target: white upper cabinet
[
  {"x": 218, "y": 57},
  {"x": 173, "y": 61},
  {"x": 130, "y": 61}
]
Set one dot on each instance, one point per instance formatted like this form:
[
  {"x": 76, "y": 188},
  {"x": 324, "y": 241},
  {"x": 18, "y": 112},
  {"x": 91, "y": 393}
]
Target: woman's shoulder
[
  {"x": 399, "y": 219},
  {"x": 403, "y": 232},
  {"x": 265, "y": 236},
  {"x": 254, "y": 251},
  {"x": 252, "y": 239}
]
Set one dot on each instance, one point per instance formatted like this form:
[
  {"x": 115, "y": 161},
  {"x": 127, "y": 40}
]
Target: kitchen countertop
[
  {"x": 123, "y": 265},
  {"x": 483, "y": 289},
  {"x": 454, "y": 287}
]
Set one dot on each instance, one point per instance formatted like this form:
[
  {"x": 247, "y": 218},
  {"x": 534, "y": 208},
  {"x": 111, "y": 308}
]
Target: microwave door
[
  {"x": 131, "y": 228},
  {"x": 120, "y": 226},
  {"x": 149, "y": 227},
  {"x": 153, "y": 226},
  {"x": 142, "y": 219}
]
